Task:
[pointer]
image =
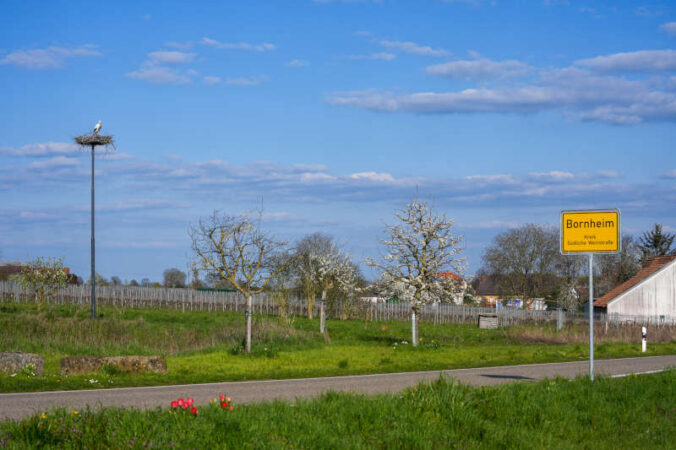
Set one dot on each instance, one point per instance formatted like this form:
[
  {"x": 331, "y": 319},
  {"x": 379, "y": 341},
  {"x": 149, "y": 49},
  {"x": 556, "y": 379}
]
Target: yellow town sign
[{"x": 590, "y": 231}]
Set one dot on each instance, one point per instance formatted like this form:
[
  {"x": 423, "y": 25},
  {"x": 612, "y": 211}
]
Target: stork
[{"x": 97, "y": 128}]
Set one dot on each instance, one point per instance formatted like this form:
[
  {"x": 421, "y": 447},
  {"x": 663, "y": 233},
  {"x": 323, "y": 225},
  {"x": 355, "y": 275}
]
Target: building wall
[{"x": 655, "y": 296}]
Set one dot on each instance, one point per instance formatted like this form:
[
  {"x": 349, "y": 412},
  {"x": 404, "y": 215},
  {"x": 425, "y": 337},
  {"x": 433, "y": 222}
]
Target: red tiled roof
[
  {"x": 448, "y": 275},
  {"x": 651, "y": 266}
]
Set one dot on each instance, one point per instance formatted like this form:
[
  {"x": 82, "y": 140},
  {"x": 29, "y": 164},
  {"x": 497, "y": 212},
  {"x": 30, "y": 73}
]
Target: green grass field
[
  {"x": 632, "y": 412},
  {"x": 206, "y": 347}
]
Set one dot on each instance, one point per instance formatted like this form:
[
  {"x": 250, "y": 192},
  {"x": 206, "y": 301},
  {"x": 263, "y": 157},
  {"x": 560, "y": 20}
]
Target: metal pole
[
  {"x": 591, "y": 316},
  {"x": 93, "y": 275}
]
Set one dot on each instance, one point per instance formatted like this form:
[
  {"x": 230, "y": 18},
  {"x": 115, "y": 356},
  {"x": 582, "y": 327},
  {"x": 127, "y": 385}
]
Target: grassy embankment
[
  {"x": 205, "y": 347},
  {"x": 632, "y": 412}
]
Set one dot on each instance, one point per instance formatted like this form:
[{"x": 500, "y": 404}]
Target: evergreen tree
[{"x": 656, "y": 243}]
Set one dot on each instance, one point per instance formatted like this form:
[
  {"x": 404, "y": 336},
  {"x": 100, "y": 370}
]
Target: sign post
[{"x": 588, "y": 232}]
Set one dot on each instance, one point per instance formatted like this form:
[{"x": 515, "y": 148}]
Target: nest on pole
[{"x": 94, "y": 140}]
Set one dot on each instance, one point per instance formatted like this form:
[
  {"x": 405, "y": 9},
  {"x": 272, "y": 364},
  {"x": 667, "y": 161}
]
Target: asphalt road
[{"x": 19, "y": 405}]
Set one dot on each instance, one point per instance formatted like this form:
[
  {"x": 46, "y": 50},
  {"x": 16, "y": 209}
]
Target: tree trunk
[
  {"x": 310, "y": 307},
  {"x": 414, "y": 326},
  {"x": 248, "y": 323}
]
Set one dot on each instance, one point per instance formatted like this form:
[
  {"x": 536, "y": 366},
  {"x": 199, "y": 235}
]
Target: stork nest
[{"x": 94, "y": 140}]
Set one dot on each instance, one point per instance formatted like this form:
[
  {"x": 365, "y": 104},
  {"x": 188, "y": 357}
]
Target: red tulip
[
  {"x": 230, "y": 408},
  {"x": 189, "y": 401},
  {"x": 174, "y": 404},
  {"x": 193, "y": 411},
  {"x": 229, "y": 399},
  {"x": 222, "y": 397},
  {"x": 224, "y": 405},
  {"x": 181, "y": 402}
]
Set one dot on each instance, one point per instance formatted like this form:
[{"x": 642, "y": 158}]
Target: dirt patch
[{"x": 75, "y": 365}]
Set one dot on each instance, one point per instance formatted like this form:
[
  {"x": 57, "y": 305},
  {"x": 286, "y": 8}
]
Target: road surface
[{"x": 20, "y": 405}]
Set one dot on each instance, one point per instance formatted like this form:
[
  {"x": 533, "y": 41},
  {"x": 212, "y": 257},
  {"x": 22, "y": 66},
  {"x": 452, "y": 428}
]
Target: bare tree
[
  {"x": 174, "y": 278},
  {"x": 283, "y": 265},
  {"x": 420, "y": 247},
  {"x": 525, "y": 260},
  {"x": 239, "y": 251}
]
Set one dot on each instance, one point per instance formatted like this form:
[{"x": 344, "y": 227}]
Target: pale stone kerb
[
  {"x": 15, "y": 362},
  {"x": 76, "y": 365}
]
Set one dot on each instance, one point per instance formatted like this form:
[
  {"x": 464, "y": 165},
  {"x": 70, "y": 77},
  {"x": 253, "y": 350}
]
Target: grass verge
[
  {"x": 206, "y": 346},
  {"x": 631, "y": 412}
]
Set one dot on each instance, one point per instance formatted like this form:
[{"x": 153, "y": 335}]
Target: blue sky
[{"x": 334, "y": 113}]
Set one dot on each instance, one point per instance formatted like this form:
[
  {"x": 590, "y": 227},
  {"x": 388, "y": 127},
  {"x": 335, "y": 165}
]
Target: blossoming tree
[
  {"x": 323, "y": 266},
  {"x": 43, "y": 277},
  {"x": 420, "y": 247}
]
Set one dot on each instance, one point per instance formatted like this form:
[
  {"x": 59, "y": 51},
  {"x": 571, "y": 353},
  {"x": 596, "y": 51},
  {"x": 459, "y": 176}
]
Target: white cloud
[
  {"x": 57, "y": 161},
  {"x": 47, "y": 58},
  {"x": 244, "y": 81},
  {"x": 670, "y": 28},
  {"x": 498, "y": 178},
  {"x": 372, "y": 176},
  {"x": 578, "y": 93},
  {"x": 135, "y": 204},
  {"x": 158, "y": 75},
  {"x": 297, "y": 63},
  {"x": 649, "y": 11},
  {"x": 316, "y": 178},
  {"x": 480, "y": 69},
  {"x": 42, "y": 149},
  {"x": 181, "y": 180},
  {"x": 264, "y": 47},
  {"x": 412, "y": 47},
  {"x": 383, "y": 56},
  {"x": 640, "y": 61},
  {"x": 555, "y": 175},
  {"x": 170, "y": 57},
  {"x": 311, "y": 167},
  {"x": 212, "y": 80}
]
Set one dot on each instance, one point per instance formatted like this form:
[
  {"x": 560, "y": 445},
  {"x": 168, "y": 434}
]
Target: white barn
[{"x": 651, "y": 292}]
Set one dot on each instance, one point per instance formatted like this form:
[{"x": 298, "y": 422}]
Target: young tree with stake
[
  {"x": 240, "y": 252},
  {"x": 420, "y": 246}
]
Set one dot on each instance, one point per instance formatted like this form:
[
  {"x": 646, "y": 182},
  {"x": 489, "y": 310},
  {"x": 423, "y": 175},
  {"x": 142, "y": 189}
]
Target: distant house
[
  {"x": 651, "y": 292},
  {"x": 486, "y": 288},
  {"x": 9, "y": 269},
  {"x": 458, "y": 296}
]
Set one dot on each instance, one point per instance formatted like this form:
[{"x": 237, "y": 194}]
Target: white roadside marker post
[
  {"x": 415, "y": 342},
  {"x": 644, "y": 340}
]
